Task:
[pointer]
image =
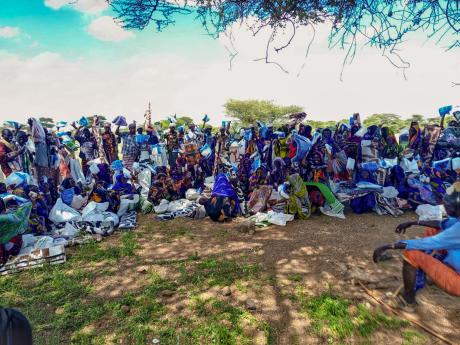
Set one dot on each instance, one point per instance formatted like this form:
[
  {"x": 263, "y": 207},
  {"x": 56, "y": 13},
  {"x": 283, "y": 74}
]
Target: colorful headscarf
[{"x": 414, "y": 135}]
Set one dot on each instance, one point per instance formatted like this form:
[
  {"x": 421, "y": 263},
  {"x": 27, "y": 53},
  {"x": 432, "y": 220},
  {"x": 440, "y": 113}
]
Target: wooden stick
[{"x": 410, "y": 319}]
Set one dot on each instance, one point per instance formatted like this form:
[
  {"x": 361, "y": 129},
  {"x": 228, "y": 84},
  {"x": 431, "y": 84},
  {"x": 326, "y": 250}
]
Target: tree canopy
[
  {"x": 46, "y": 122},
  {"x": 380, "y": 23},
  {"x": 248, "y": 111}
]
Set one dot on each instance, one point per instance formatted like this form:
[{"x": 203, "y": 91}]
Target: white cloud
[
  {"x": 91, "y": 6},
  {"x": 86, "y": 6},
  {"x": 9, "y": 32},
  {"x": 105, "y": 29},
  {"x": 56, "y": 4}
]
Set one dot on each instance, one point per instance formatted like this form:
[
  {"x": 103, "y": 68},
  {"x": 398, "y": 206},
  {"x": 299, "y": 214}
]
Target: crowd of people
[{"x": 95, "y": 176}]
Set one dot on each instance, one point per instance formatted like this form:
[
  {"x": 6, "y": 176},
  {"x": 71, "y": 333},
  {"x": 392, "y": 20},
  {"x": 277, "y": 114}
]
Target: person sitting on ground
[
  {"x": 445, "y": 236},
  {"x": 223, "y": 204}
]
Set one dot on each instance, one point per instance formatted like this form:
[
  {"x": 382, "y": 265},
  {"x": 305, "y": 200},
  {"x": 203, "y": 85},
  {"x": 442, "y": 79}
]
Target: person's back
[{"x": 14, "y": 328}]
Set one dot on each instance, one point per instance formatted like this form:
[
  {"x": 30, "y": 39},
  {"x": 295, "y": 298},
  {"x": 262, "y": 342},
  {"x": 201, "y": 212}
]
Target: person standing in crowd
[
  {"x": 172, "y": 145},
  {"x": 25, "y": 158},
  {"x": 88, "y": 147},
  {"x": 9, "y": 154},
  {"x": 129, "y": 149},
  {"x": 110, "y": 144},
  {"x": 154, "y": 138},
  {"x": 41, "y": 161}
]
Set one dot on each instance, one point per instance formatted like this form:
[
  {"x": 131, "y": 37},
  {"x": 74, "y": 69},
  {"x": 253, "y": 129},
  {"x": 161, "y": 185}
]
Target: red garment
[
  {"x": 292, "y": 150},
  {"x": 4, "y": 150}
]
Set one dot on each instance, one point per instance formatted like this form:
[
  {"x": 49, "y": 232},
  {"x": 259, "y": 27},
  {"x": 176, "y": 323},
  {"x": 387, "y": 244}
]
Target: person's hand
[
  {"x": 401, "y": 228},
  {"x": 380, "y": 251}
]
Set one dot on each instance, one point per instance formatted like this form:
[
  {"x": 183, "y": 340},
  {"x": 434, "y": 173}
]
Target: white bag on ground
[
  {"x": 430, "y": 212},
  {"x": 62, "y": 213},
  {"x": 79, "y": 201},
  {"x": 192, "y": 194},
  {"x": 94, "y": 207},
  {"x": 162, "y": 208},
  {"x": 127, "y": 204},
  {"x": 28, "y": 240},
  {"x": 44, "y": 242},
  {"x": 178, "y": 205}
]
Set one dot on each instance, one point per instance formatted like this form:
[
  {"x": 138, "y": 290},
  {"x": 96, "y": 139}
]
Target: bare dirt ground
[{"x": 319, "y": 253}]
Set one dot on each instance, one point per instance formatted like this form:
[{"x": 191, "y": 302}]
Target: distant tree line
[{"x": 247, "y": 112}]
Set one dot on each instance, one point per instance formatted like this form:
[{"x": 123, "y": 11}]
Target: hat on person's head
[{"x": 120, "y": 121}]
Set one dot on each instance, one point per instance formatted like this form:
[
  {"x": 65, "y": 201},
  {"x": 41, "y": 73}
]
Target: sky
[{"x": 65, "y": 61}]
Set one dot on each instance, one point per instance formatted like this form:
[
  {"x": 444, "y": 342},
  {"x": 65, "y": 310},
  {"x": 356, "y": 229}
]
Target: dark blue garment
[
  {"x": 363, "y": 204},
  {"x": 222, "y": 187},
  {"x": 420, "y": 279},
  {"x": 153, "y": 139},
  {"x": 67, "y": 196}
]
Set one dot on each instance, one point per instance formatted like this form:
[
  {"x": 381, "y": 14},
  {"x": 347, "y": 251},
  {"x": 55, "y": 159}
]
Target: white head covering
[{"x": 38, "y": 133}]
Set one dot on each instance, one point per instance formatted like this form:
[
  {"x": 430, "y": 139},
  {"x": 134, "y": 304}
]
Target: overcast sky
[{"x": 65, "y": 61}]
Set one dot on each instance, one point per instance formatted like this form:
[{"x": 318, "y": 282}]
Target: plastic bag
[
  {"x": 303, "y": 147},
  {"x": 69, "y": 231},
  {"x": 409, "y": 166},
  {"x": 144, "y": 179},
  {"x": 127, "y": 205},
  {"x": 209, "y": 181},
  {"x": 17, "y": 178},
  {"x": 430, "y": 212},
  {"x": 94, "y": 207},
  {"x": 28, "y": 240},
  {"x": 192, "y": 194},
  {"x": 61, "y": 213},
  {"x": 44, "y": 242},
  {"x": 390, "y": 192},
  {"x": 163, "y": 207},
  {"x": 350, "y": 164},
  {"x": 79, "y": 201},
  {"x": 178, "y": 205}
]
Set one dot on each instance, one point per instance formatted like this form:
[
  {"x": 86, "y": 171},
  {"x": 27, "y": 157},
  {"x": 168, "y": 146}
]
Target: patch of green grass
[
  {"x": 411, "y": 337},
  {"x": 215, "y": 272},
  {"x": 175, "y": 232},
  {"x": 295, "y": 277},
  {"x": 332, "y": 318},
  {"x": 53, "y": 299},
  {"x": 94, "y": 252},
  {"x": 218, "y": 323},
  {"x": 269, "y": 333},
  {"x": 241, "y": 287}
]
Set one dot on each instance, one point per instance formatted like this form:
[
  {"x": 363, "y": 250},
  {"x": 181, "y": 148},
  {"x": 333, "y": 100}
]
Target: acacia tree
[
  {"x": 47, "y": 122},
  {"x": 380, "y": 23},
  {"x": 249, "y": 111}
]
